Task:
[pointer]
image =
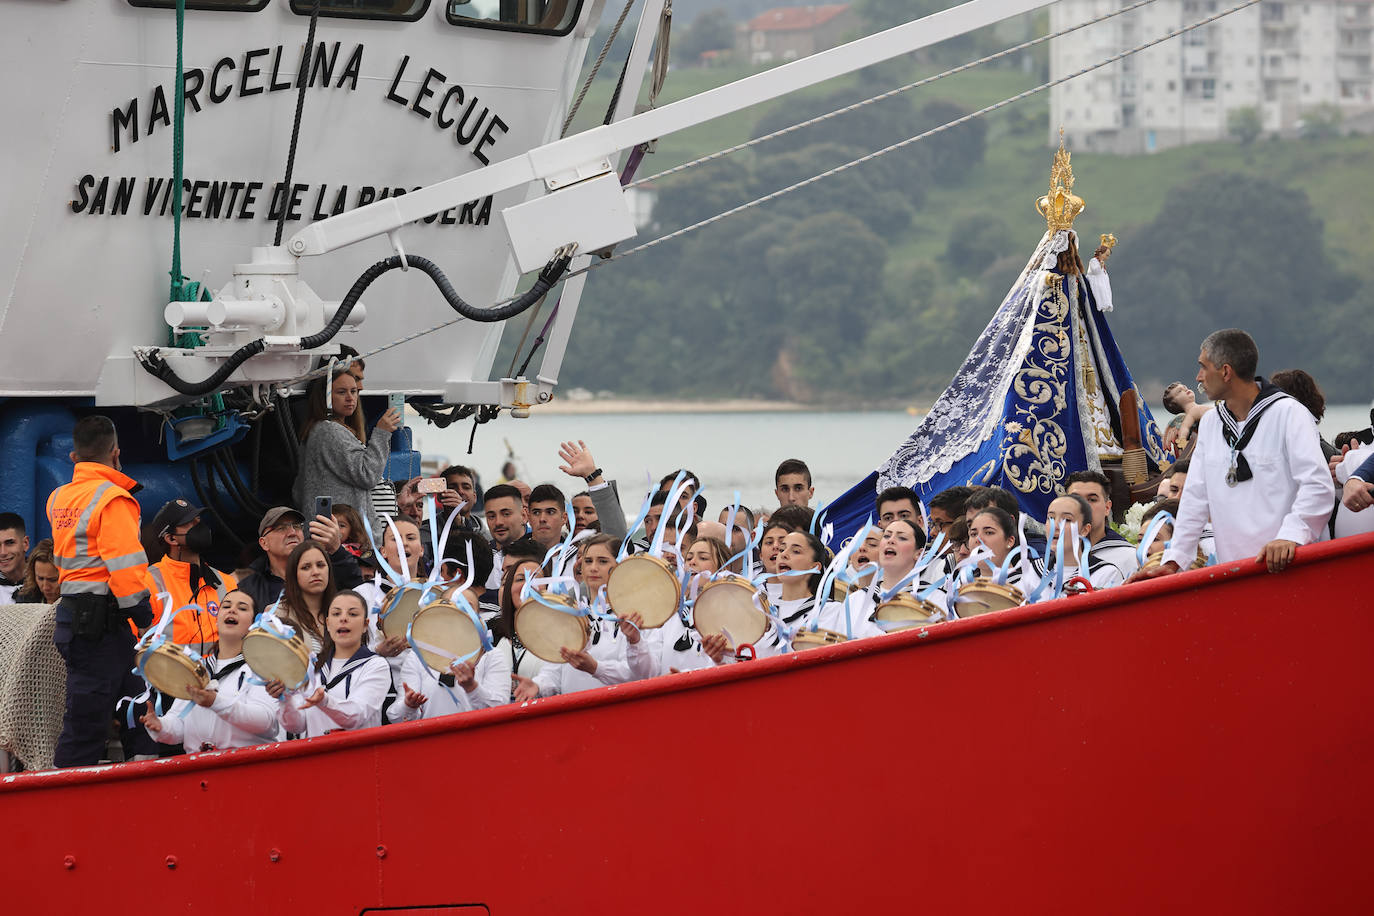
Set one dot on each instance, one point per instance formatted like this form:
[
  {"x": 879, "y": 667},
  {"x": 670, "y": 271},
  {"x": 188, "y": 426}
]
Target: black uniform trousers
[{"x": 99, "y": 672}]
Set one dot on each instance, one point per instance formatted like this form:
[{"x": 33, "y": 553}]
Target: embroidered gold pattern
[{"x": 1033, "y": 447}]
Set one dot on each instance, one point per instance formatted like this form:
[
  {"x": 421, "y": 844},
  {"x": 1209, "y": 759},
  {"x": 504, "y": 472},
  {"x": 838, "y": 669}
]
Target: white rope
[
  {"x": 886, "y": 95},
  {"x": 595, "y": 265}
]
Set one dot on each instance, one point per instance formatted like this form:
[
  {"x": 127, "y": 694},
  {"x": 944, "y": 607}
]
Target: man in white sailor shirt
[{"x": 1257, "y": 471}]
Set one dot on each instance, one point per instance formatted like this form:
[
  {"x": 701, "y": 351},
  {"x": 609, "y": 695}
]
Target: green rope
[
  {"x": 181, "y": 290},
  {"x": 178, "y": 138}
]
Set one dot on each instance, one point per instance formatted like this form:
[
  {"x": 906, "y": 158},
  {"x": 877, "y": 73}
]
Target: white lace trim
[
  {"x": 1058, "y": 245},
  {"x": 967, "y": 413}
]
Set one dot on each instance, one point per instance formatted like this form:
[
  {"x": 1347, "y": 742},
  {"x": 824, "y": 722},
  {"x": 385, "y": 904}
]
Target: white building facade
[{"x": 1283, "y": 59}]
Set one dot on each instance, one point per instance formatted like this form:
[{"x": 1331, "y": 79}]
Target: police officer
[
  {"x": 196, "y": 589},
  {"x": 104, "y": 584}
]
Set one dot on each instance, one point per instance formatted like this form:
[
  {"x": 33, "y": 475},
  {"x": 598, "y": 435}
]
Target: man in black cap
[
  {"x": 195, "y": 588},
  {"x": 281, "y": 530}
]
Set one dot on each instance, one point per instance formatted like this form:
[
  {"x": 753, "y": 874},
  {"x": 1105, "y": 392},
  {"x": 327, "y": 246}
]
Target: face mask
[{"x": 197, "y": 539}]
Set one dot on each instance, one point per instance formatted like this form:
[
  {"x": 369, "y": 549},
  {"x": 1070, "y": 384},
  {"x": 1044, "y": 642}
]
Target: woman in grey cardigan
[{"x": 335, "y": 462}]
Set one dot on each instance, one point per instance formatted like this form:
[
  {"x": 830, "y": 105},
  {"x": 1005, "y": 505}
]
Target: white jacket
[
  {"x": 493, "y": 688},
  {"x": 243, "y": 715},
  {"x": 673, "y": 645},
  {"x": 607, "y": 647},
  {"x": 355, "y": 701}
]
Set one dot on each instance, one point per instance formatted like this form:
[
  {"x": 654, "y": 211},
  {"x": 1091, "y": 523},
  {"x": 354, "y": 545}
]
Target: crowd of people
[{"x": 1254, "y": 480}]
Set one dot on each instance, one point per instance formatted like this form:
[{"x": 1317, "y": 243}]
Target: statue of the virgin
[{"x": 1044, "y": 391}]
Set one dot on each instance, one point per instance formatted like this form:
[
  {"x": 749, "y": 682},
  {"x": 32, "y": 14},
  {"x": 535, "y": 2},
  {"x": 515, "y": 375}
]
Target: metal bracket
[{"x": 394, "y": 237}]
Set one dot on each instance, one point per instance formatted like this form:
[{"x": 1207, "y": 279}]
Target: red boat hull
[{"x": 1202, "y": 742}]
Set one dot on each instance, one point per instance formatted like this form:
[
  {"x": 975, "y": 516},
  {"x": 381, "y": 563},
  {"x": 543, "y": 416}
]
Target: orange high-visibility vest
[
  {"x": 95, "y": 536},
  {"x": 196, "y": 621}
]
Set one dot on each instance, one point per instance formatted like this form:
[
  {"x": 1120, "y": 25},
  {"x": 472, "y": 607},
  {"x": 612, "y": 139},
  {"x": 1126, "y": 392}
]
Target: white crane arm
[{"x": 573, "y": 160}]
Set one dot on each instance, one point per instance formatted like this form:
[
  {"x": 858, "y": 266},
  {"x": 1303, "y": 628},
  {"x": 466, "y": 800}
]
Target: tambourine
[
  {"x": 813, "y": 639},
  {"x": 545, "y": 630},
  {"x": 272, "y": 656},
  {"x": 983, "y": 596},
  {"x": 443, "y": 632},
  {"x": 904, "y": 611},
  {"x": 645, "y": 584},
  {"x": 170, "y": 668},
  {"x": 727, "y": 603},
  {"x": 399, "y": 609}
]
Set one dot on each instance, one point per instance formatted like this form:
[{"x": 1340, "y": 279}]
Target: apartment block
[{"x": 1284, "y": 59}]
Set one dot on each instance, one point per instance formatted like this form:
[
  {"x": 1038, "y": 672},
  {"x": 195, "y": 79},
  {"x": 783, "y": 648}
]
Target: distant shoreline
[{"x": 565, "y": 406}]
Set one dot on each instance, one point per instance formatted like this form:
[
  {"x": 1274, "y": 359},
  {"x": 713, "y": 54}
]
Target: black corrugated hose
[{"x": 548, "y": 277}]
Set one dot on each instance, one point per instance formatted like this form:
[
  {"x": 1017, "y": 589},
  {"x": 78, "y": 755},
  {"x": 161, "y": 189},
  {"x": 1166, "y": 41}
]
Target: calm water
[{"x": 730, "y": 451}]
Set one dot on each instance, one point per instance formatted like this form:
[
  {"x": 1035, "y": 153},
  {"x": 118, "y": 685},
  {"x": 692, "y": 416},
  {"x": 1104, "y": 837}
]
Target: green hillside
[{"x": 931, "y": 282}]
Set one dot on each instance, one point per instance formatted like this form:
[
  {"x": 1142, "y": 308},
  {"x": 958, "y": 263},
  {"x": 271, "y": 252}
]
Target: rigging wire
[
  {"x": 806, "y": 182},
  {"x": 596, "y": 265},
  {"x": 296, "y": 124},
  {"x": 719, "y": 154},
  {"x": 600, "y": 59}
]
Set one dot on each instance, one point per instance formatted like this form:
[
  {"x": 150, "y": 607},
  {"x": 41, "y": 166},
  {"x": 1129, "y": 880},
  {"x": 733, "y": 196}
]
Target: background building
[
  {"x": 788, "y": 32},
  {"x": 1295, "y": 64}
]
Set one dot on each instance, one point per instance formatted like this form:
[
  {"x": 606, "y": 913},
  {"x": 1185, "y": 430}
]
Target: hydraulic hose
[
  {"x": 437, "y": 416},
  {"x": 548, "y": 277},
  {"x": 155, "y": 364},
  {"x": 224, "y": 465},
  {"x": 210, "y": 500}
]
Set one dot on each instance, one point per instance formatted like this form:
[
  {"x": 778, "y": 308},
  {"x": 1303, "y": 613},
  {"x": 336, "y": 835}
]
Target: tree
[
  {"x": 1321, "y": 121},
  {"x": 884, "y": 14},
  {"x": 701, "y": 192},
  {"x": 975, "y": 242},
  {"x": 951, "y": 154},
  {"x": 1233, "y": 251},
  {"x": 829, "y": 273},
  {"x": 862, "y": 130},
  {"x": 712, "y": 30},
  {"x": 859, "y": 190},
  {"x": 1244, "y": 124}
]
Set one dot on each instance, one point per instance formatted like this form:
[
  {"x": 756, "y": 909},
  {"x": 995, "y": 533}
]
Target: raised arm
[{"x": 578, "y": 462}]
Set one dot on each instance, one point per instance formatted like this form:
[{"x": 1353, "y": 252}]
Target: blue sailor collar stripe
[{"x": 1238, "y": 434}]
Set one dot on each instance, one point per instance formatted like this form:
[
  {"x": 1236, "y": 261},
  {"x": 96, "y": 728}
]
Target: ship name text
[
  {"x": 115, "y": 195},
  {"x": 425, "y": 92}
]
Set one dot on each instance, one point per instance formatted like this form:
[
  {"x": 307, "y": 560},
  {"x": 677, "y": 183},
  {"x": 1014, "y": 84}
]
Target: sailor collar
[{"x": 1238, "y": 433}]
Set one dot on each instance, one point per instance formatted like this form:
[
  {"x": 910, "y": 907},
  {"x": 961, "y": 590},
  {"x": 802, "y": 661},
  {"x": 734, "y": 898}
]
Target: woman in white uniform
[
  {"x": 674, "y": 646},
  {"x": 800, "y": 563},
  {"x": 995, "y": 529},
  {"x": 899, "y": 549},
  {"x": 230, "y": 711},
  {"x": 354, "y": 680},
  {"x": 479, "y": 683},
  {"x": 600, "y": 663}
]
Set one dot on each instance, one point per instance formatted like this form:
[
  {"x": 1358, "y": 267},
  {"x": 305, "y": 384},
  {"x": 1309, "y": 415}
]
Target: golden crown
[
  {"x": 1108, "y": 241},
  {"x": 1061, "y": 206}
]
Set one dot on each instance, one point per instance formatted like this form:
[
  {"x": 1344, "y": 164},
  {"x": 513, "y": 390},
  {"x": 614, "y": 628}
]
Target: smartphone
[
  {"x": 397, "y": 400},
  {"x": 432, "y": 485},
  {"x": 324, "y": 505}
]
